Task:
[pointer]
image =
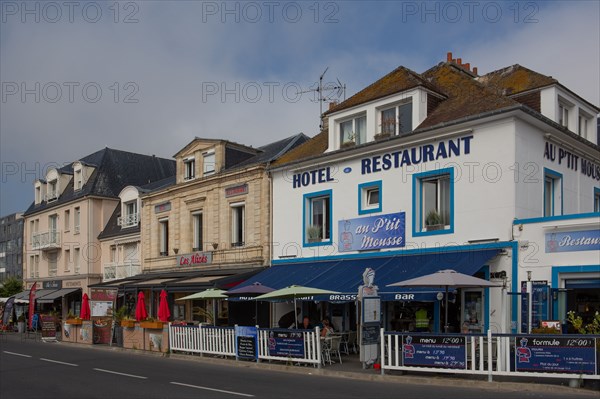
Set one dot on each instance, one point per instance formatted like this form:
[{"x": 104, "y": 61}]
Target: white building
[{"x": 443, "y": 169}]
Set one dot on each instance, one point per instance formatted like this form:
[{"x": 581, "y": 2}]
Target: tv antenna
[{"x": 327, "y": 92}]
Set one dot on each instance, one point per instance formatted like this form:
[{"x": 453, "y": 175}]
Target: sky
[{"x": 149, "y": 76}]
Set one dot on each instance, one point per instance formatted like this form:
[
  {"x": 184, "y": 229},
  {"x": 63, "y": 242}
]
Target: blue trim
[
  {"x": 554, "y": 175},
  {"x": 596, "y": 194},
  {"x": 515, "y": 285},
  {"x": 457, "y": 248},
  {"x": 363, "y": 186},
  {"x": 486, "y": 299},
  {"x": 416, "y": 206},
  {"x": 556, "y": 218},
  {"x": 305, "y": 204},
  {"x": 557, "y": 270}
]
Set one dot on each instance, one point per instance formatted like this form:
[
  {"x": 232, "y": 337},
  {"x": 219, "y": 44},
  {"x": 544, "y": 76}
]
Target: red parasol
[
  {"x": 163, "y": 307},
  {"x": 140, "y": 308},
  {"x": 85, "y": 313}
]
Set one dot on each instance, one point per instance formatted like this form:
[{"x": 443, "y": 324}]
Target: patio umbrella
[
  {"x": 252, "y": 289},
  {"x": 211, "y": 293},
  {"x": 85, "y": 313},
  {"x": 163, "y": 307},
  {"x": 140, "y": 308},
  {"x": 294, "y": 292},
  {"x": 445, "y": 279}
]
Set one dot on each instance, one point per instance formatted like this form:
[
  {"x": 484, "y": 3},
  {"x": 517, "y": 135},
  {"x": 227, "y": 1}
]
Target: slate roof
[
  {"x": 272, "y": 151},
  {"x": 114, "y": 170}
]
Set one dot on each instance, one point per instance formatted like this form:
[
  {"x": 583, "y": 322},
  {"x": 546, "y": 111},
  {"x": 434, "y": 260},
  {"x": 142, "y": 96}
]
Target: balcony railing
[
  {"x": 46, "y": 240},
  {"x": 129, "y": 220},
  {"x": 116, "y": 271},
  {"x": 51, "y": 196}
]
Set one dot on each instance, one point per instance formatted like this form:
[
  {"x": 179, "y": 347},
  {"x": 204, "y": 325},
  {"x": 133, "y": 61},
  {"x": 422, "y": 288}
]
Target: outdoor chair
[{"x": 335, "y": 344}]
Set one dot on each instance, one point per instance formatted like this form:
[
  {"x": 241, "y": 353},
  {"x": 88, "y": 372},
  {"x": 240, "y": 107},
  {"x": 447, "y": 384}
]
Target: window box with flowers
[
  {"x": 150, "y": 323},
  {"x": 128, "y": 323}
]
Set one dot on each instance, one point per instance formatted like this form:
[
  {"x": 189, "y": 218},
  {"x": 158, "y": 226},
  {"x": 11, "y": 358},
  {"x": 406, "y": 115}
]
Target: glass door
[{"x": 472, "y": 317}]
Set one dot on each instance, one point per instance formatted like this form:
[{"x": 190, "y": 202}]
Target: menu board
[
  {"x": 370, "y": 334},
  {"x": 245, "y": 339},
  {"x": 539, "y": 298},
  {"x": 557, "y": 355},
  {"x": 434, "y": 351},
  {"x": 48, "y": 326},
  {"x": 286, "y": 344},
  {"x": 100, "y": 308}
]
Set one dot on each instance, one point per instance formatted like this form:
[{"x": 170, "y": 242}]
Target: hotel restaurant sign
[{"x": 195, "y": 259}]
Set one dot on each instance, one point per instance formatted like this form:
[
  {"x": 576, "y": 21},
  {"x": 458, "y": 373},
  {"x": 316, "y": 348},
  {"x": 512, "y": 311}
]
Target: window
[
  {"x": 76, "y": 260},
  {"x": 67, "y": 220},
  {"x": 76, "y": 218},
  {"x": 32, "y": 266},
  {"x": 130, "y": 253},
  {"x": 552, "y": 193},
  {"x": 164, "y": 237},
  {"x": 354, "y": 130},
  {"x": 38, "y": 194},
  {"x": 131, "y": 215},
  {"x": 78, "y": 179},
  {"x": 113, "y": 254},
  {"x": 238, "y": 211},
  {"x": 52, "y": 190},
  {"x": 52, "y": 263},
  {"x": 189, "y": 168},
  {"x": 197, "y": 231},
  {"x": 396, "y": 120},
  {"x": 67, "y": 259},
  {"x": 369, "y": 197},
  {"x": 32, "y": 230},
  {"x": 209, "y": 163},
  {"x": 563, "y": 115},
  {"x": 596, "y": 199},
  {"x": 317, "y": 218},
  {"x": 433, "y": 202}
]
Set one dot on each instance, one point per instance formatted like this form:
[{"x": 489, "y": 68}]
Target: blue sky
[{"x": 148, "y": 76}]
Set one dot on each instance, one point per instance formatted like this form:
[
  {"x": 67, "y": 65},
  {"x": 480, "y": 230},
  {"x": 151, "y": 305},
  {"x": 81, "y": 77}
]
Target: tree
[{"x": 10, "y": 287}]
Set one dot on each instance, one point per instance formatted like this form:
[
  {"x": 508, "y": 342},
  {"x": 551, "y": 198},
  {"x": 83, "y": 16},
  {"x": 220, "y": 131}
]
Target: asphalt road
[{"x": 33, "y": 369}]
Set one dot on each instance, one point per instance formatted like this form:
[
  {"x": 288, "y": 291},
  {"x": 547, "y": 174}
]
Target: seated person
[
  {"x": 327, "y": 328},
  {"x": 306, "y": 325}
]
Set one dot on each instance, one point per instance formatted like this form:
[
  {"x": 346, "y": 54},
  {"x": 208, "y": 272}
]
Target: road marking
[
  {"x": 59, "y": 362},
  {"x": 16, "y": 354},
  {"x": 211, "y": 389},
  {"x": 124, "y": 374}
]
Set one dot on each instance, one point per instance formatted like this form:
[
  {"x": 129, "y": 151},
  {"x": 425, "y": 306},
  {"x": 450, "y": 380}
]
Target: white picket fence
[
  {"x": 220, "y": 341},
  {"x": 489, "y": 355}
]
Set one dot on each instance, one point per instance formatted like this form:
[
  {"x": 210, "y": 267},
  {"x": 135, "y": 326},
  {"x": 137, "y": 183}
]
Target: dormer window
[
  {"x": 353, "y": 131},
  {"x": 563, "y": 115},
  {"x": 583, "y": 124},
  {"x": 189, "y": 168},
  {"x": 78, "y": 179},
  {"x": 52, "y": 190},
  {"x": 396, "y": 120},
  {"x": 38, "y": 194},
  {"x": 208, "y": 163},
  {"x": 130, "y": 216}
]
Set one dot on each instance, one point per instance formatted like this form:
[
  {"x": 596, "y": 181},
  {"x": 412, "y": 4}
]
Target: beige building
[
  {"x": 210, "y": 228},
  {"x": 72, "y": 205}
]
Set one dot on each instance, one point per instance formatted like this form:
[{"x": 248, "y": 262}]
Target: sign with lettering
[
  {"x": 236, "y": 190},
  {"x": 164, "y": 207},
  {"x": 52, "y": 285},
  {"x": 373, "y": 232},
  {"x": 557, "y": 355},
  {"x": 245, "y": 342},
  {"x": 572, "y": 241},
  {"x": 448, "y": 352},
  {"x": 48, "y": 326},
  {"x": 286, "y": 344},
  {"x": 369, "y": 334},
  {"x": 555, "y": 153},
  {"x": 317, "y": 176},
  {"x": 540, "y": 297},
  {"x": 195, "y": 259}
]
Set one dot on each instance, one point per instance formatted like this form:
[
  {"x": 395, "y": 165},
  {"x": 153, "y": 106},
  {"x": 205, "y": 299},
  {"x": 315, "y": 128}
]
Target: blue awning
[{"x": 345, "y": 276}]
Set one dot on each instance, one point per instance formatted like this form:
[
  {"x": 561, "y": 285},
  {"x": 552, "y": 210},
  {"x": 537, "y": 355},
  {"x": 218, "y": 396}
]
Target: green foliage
[
  {"x": 577, "y": 322},
  {"x": 10, "y": 287},
  {"x": 120, "y": 313},
  {"x": 313, "y": 232},
  {"x": 433, "y": 218}
]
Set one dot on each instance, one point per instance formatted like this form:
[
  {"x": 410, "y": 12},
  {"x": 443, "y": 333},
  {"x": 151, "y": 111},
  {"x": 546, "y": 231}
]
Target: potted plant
[
  {"x": 119, "y": 315},
  {"x": 433, "y": 221},
  {"x": 314, "y": 233},
  {"x": 350, "y": 142},
  {"x": 151, "y": 322},
  {"x": 388, "y": 125}
]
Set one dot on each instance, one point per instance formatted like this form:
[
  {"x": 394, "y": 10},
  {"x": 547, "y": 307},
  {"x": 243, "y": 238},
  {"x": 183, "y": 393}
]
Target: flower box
[
  {"x": 76, "y": 322},
  {"x": 151, "y": 324},
  {"x": 128, "y": 323}
]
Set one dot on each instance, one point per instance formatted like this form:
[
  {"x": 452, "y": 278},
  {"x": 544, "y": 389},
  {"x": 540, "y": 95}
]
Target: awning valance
[
  {"x": 50, "y": 298},
  {"x": 345, "y": 276}
]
